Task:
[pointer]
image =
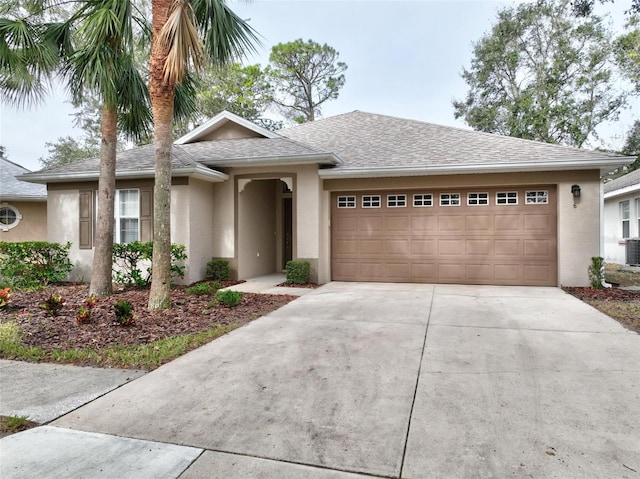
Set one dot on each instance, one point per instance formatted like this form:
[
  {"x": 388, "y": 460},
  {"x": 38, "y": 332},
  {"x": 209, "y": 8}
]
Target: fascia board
[
  {"x": 198, "y": 171},
  {"x": 622, "y": 191},
  {"x": 321, "y": 159}
]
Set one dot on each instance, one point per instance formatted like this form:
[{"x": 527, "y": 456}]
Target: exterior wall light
[{"x": 575, "y": 191}]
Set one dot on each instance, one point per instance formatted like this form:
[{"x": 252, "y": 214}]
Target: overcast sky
[{"x": 404, "y": 59}]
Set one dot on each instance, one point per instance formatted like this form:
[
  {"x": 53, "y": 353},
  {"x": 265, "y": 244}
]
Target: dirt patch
[
  {"x": 294, "y": 285},
  {"x": 622, "y": 305},
  {"x": 190, "y": 314},
  {"x": 10, "y": 425}
]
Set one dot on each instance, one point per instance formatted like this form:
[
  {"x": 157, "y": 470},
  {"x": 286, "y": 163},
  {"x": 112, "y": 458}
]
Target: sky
[{"x": 404, "y": 59}]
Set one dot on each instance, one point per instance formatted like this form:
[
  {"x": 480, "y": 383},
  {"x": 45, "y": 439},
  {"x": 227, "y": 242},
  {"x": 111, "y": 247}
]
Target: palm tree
[{"x": 184, "y": 33}]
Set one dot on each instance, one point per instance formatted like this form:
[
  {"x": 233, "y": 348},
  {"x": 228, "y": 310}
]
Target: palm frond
[{"x": 179, "y": 37}]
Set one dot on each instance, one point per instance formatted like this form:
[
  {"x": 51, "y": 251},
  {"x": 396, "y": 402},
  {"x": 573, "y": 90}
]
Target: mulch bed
[
  {"x": 295, "y": 285},
  {"x": 620, "y": 304},
  {"x": 189, "y": 314},
  {"x": 604, "y": 294}
]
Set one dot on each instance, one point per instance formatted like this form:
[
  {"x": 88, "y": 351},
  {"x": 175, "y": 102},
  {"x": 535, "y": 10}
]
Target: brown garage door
[{"x": 480, "y": 236}]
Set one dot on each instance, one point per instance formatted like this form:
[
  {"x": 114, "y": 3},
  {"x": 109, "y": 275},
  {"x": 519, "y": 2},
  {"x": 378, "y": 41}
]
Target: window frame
[
  {"x": 17, "y": 219},
  {"x": 539, "y": 194},
  {"x": 478, "y": 198},
  {"x": 625, "y": 222},
  {"x": 423, "y": 199},
  {"x": 507, "y": 198},
  {"x": 449, "y": 199},
  {"x": 117, "y": 229},
  {"x": 368, "y": 201},
  {"x": 400, "y": 201},
  {"x": 349, "y": 201}
]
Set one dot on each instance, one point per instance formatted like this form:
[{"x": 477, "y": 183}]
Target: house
[
  {"x": 361, "y": 196},
  {"x": 621, "y": 216},
  {"x": 23, "y": 206}
]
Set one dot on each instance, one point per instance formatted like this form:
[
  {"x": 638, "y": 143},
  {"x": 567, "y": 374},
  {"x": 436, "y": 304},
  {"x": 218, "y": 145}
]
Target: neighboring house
[
  {"x": 621, "y": 216},
  {"x": 363, "y": 197},
  {"x": 23, "y": 206}
]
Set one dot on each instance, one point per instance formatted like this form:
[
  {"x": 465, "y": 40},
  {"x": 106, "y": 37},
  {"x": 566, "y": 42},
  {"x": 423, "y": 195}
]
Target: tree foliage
[
  {"x": 632, "y": 146},
  {"x": 67, "y": 150},
  {"x": 627, "y": 51},
  {"x": 584, "y": 8},
  {"x": 305, "y": 75},
  {"x": 541, "y": 74}
]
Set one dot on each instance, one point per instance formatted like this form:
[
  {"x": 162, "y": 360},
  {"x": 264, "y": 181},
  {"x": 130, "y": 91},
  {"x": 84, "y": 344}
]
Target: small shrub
[
  {"x": 86, "y": 311},
  {"x": 596, "y": 272},
  {"x": 130, "y": 259},
  {"x": 53, "y": 304},
  {"x": 5, "y": 294},
  {"x": 229, "y": 298},
  {"x": 124, "y": 313},
  {"x": 298, "y": 272},
  {"x": 33, "y": 264},
  {"x": 218, "y": 269},
  {"x": 207, "y": 288}
]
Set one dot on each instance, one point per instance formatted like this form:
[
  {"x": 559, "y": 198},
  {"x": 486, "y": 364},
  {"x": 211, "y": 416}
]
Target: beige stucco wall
[
  {"x": 578, "y": 228},
  {"x": 201, "y": 213},
  {"x": 614, "y": 244},
  {"x": 32, "y": 226}
]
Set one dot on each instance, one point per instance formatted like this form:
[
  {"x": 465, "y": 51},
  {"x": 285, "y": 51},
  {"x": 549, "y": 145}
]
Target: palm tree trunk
[
  {"x": 101, "y": 283},
  {"x": 161, "y": 94}
]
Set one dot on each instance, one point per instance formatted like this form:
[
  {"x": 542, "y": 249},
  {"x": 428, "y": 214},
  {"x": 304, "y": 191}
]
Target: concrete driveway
[{"x": 357, "y": 380}]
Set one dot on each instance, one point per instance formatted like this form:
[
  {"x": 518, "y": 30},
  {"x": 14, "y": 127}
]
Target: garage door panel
[{"x": 510, "y": 244}]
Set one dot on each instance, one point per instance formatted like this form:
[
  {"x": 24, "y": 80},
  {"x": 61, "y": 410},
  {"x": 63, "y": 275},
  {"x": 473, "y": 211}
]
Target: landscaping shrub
[
  {"x": 33, "y": 264},
  {"x": 218, "y": 269},
  {"x": 124, "y": 313},
  {"x": 5, "y": 294},
  {"x": 86, "y": 311},
  {"x": 596, "y": 272},
  {"x": 229, "y": 298},
  {"x": 53, "y": 304},
  {"x": 204, "y": 288},
  {"x": 130, "y": 259},
  {"x": 298, "y": 272}
]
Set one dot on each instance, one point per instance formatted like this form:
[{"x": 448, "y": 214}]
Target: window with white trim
[
  {"x": 371, "y": 201},
  {"x": 638, "y": 214},
  {"x": 449, "y": 199},
  {"x": 423, "y": 200},
  {"x": 537, "y": 197},
  {"x": 9, "y": 216},
  {"x": 396, "y": 201},
  {"x": 127, "y": 216},
  {"x": 346, "y": 201},
  {"x": 625, "y": 217},
  {"x": 477, "y": 199},
  {"x": 507, "y": 198}
]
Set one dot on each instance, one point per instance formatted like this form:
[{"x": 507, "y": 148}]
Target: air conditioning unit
[{"x": 633, "y": 252}]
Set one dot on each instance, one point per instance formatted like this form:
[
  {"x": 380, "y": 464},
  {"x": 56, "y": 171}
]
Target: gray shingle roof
[
  {"x": 630, "y": 179},
  {"x": 367, "y": 140},
  {"x": 14, "y": 189}
]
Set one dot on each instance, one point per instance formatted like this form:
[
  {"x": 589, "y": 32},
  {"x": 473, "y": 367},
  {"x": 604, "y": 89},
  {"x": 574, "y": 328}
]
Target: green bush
[
  {"x": 53, "y": 304},
  {"x": 298, "y": 272},
  {"x": 124, "y": 313},
  {"x": 218, "y": 269},
  {"x": 128, "y": 262},
  {"x": 33, "y": 264},
  {"x": 596, "y": 272},
  {"x": 204, "y": 288},
  {"x": 229, "y": 298}
]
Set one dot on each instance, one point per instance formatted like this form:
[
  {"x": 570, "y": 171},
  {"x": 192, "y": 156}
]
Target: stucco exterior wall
[
  {"x": 32, "y": 226},
  {"x": 578, "y": 228},
  {"x": 201, "y": 213},
  {"x": 614, "y": 244},
  {"x": 63, "y": 226}
]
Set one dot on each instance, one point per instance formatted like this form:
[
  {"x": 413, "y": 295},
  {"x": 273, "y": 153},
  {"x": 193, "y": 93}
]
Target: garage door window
[
  {"x": 507, "y": 198},
  {"x": 424, "y": 200},
  {"x": 346, "y": 201},
  {"x": 477, "y": 199},
  {"x": 371, "y": 201},
  {"x": 450, "y": 199},
  {"x": 537, "y": 197},
  {"x": 396, "y": 201}
]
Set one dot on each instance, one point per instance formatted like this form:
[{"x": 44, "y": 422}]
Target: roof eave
[
  {"x": 26, "y": 198},
  {"x": 603, "y": 166},
  {"x": 323, "y": 159},
  {"x": 622, "y": 191},
  {"x": 220, "y": 119}
]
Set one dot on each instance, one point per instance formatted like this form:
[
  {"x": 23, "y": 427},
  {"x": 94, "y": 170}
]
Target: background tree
[
  {"x": 585, "y": 7},
  {"x": 304, "y": 75},
  {"x": 541, "y": 74},
  {"x": 632, "y": 146},
  {"x": 183, "y": 34},
  {"x": 627, "y": 51},
  {"x": 67, "y": 150}
]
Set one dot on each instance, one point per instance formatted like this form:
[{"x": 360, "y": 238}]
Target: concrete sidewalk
[{"x": 359, "y": 380}]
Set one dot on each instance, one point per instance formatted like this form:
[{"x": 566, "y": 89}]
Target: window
[
  {"x": 537, "y": 197},
  {"x": 477, "y": 199},
  {"x": 423, "y": 200},
  {"x": 507, "y": 198},
  {"x": 346, "y": 201},
  {"x": 449, "y": 199},
  {"x": 371, "y": 201},
  {"x": 396, "y": 201},
  {"x": 127, "y": 216},
  {"x": 625, "y": 216},
  {"x": 638, "y": 213},
  {"x": 9, "y": 217}
]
